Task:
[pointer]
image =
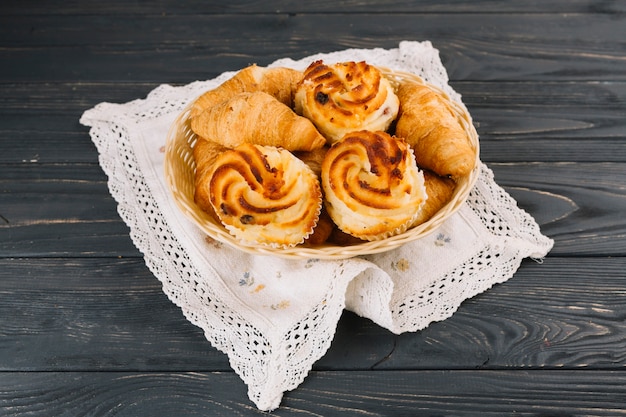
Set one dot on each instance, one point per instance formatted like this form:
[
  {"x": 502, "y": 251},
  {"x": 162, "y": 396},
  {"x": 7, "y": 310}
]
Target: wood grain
[
  {"x": 580, "y": 205},
  {"x": 556, "y": 315},
  {"x": 85, "y": 328},
  {"x": 516, "y": 121},
  {"x": 111, "y": 315},
  {"x": 38, "y": 221},
  {"x": 383, "y": 393},
  {"x": 489, "y": 47},
  {"x": 116, "y": 7}
]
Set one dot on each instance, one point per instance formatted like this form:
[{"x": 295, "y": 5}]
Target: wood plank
[
  {"x": 94, "y": 314},
  {"x": 516, "y": 121},
  {"x": 554, "y": 315},
  {"x": 39, "y": 122},
  {"x": 86, "y": 329},
  {"x": 386, "y": 393},
  {"x": 120, "y": 7},
  {"x": 548, "y": 121},
  {"x": 110, "y": 314},
  {"x": 57, "y": 210},
  {"x": 66, "y": 209},
  {"x": 579, "y": 205},
  {"x": 487, "y": 46}
]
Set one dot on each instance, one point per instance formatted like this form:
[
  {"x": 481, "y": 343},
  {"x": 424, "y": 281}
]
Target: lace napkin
[{"x": 275, "y": 318}]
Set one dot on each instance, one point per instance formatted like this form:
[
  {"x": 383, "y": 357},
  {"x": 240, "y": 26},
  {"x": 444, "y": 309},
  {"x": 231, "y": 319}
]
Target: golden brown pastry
[
  {"x": 439, "y": 190},
  {"x": 313, "y": 158},
  {"x": 204, "y": 154},
  {"x": 372, "y": 186},
  {"x": 281, "y": 83},
  {"x": 322, "y": 230},
  {"x": 345, "y": 97},
  {"x": 278, "y": 82},
  {"x": 265, "y": 195},
  {"x": 427, "y": 122},
  {"x": 341, "y": 238},
  {"x": 256, "y": 118}
]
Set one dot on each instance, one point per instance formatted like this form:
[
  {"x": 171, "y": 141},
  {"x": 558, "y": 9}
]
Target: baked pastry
[
  {"x": 439, "y": 190},
  {"x": 265, "y": 195},
  {"x": 205, "y": 153},
  {"x": 279, "y": 82},
  {"x": 322, "y": 231},
  {"x": 373, "y": 189},
  {"x": 345, "y": 97},
  {"x": 427, "y": 122},
  {"x": 256, "y": 118},
  {"x": 313, "y": 158},
  {"x": 341, "y": 238}
]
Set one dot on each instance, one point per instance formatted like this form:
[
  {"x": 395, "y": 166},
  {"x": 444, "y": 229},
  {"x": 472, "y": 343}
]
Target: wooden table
[{"x": 85, "y": 329}]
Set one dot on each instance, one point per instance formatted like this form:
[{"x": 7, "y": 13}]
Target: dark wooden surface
[{"x": 85, "y": 329}]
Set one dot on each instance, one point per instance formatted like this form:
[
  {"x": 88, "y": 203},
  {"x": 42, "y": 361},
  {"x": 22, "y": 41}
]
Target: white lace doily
[{"x": 275, "y": 318}]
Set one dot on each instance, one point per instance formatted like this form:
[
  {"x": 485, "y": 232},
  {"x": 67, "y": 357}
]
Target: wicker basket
[{"x": 180, "y": 171}]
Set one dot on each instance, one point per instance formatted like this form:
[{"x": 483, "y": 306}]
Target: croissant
[
  {"x": 373, "y": 189},
  {"x": 430, "y": 126},
  {"x": 345, "y": 97},
  {"x": 265, "y": 195},
  {"x": 439, "y": 190},
  {"x": 279, "y": 82},
  {"x": 256, "y": 118}
]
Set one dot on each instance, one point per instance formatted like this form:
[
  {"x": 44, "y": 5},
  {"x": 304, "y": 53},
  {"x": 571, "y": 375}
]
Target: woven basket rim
[{"x": 179, "y": 169}]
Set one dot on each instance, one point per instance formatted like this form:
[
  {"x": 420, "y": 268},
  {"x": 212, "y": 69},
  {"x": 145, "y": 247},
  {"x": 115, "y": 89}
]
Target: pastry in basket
[
  {"x": 256, "y": 118},
  {"x": 373, "y": 189},
  {"x": 428, "y": 123},
  {"x": 313, "y": 158},
  {"x": 346, "y": 97},
  {"x": 439, "y": 190},
  {"x": 205, "y": 153},
  {"x": 264, "y": 195},
  {"x": 278, "y": 82},
  {"x": 322, "y": 231}
]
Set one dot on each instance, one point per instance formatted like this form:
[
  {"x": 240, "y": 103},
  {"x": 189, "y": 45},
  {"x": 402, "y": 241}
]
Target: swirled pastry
[
  {"x": 373, "y": 188},
  {"x": 265, "y": 195},
  {"x": 345, "y": 97}
]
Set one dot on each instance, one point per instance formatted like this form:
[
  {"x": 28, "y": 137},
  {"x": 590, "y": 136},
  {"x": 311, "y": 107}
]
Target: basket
[{"x": 180, "y": 171}]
